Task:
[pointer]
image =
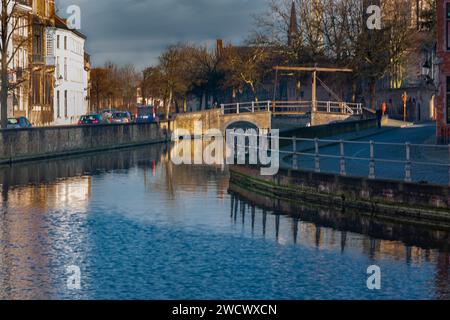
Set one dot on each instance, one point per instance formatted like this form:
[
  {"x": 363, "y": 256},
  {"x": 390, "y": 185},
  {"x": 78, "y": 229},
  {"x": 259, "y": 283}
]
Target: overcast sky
[{"x": 135, "y": 31}]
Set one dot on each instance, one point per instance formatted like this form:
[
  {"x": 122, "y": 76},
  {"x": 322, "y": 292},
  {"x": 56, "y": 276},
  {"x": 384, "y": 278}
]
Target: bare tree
[
  {"x": 207, "y": 74},
  {"x": 12, "y": 19},
  {"x": 174, "y": 65},
  {"x": 99, "y": 86},
  {"x": 244, "y": 67},
  {"x": 128, "y": 83},
  {"x": 152, "y": 84},
  {"x": 335, "y": 32}
]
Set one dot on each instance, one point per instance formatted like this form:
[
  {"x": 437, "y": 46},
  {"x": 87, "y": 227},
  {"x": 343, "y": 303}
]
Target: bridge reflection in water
[{"x": 134, "y": 210}]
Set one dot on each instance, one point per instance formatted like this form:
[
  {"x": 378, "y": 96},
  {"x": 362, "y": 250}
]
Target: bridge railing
[
  {"x": 246, "y": 107},
  {"x": 340, "y": 107},
  {"x": 408, "y": 162},
  {"x": 293, "y": 107}
]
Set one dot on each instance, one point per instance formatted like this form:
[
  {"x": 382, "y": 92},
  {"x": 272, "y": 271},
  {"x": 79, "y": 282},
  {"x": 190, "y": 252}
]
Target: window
[
  {"x": 57, "y": 41},
  {"x": 48, "y": 89},
  {"x": 65, "y": 103},
  {"x": 447, "y": 25},
  {"x": 65, "y": 43},
  {"x": 50, "y": 44},
  {"x": 37, "y": 44},
  {"x": 65, "y": 69},
  {"x": 58, "y": 106}
]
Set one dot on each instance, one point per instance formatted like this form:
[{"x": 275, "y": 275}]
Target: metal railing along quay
[{"x": 408, "y": 162}]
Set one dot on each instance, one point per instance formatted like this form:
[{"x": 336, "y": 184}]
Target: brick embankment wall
[
  {"x": 46, "y": 142},
  {"x": 392, "y": 199},
  {"x": 209, "y": 119},
  {"x": 329, "y": 130},
  {"x": 322, "y": 118},
  {"x": 332, "y": 129}
]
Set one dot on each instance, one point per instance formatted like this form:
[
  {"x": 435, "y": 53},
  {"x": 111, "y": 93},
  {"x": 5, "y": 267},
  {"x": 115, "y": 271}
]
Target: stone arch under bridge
[{"x": 215, "y": 119}]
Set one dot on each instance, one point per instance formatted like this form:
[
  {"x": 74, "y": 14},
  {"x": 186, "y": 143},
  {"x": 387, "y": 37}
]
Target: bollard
[
  {"x": 343, "y": 169},
  {"x": 316, "y": 143},
  {"x": 294, "y": 157},
  {"x": 372, "y": 161},
  {"x": 408, "y": 163}
]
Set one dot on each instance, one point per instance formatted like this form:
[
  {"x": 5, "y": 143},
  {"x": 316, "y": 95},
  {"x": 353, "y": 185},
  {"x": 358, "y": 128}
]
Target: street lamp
[{"x": 426, "y": 68}]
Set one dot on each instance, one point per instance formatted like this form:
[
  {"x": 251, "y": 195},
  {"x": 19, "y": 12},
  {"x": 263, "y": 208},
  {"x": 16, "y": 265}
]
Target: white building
[{"x": 71, "y": 83}]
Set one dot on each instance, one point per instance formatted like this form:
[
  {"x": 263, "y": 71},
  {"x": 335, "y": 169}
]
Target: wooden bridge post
[{"x": 314, "y": 91}]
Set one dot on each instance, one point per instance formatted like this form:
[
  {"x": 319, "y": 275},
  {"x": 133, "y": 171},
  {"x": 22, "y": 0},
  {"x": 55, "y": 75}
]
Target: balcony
[
  {"x": 50, "y": 61},
  {"x": 38, "y": 59}
]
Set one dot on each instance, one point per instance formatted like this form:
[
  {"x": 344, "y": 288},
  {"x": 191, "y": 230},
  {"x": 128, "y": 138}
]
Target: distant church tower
[{"x": 293, "y": 26}]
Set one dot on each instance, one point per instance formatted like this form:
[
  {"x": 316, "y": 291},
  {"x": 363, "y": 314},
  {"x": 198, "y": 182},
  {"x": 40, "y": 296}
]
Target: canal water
[{"x": 139, "y": 227}]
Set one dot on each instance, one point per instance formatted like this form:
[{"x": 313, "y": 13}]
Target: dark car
[
  {"x": 18, "y": 123},
  {"x": 146, "y": 114},
  {"x": 108, "y": 112},
  {"x": 90, "y": 119},
  {"x": 120, "y": 117}
]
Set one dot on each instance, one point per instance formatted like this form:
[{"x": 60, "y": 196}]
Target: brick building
[{"x": 443, "y": 52}]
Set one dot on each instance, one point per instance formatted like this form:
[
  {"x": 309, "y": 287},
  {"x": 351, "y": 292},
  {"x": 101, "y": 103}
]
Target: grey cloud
[{"x": 135, "y": 31}]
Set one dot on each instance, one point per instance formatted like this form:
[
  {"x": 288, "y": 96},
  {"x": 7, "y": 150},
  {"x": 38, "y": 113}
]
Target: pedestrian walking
[
  {"x": 379, "y": 116},
  {"x": 384, "y": 108}
]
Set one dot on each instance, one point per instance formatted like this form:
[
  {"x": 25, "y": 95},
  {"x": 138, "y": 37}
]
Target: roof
[{"x": 61, "y": 23}]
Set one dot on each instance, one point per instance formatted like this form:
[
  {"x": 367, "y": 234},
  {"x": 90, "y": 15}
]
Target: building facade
[
  {"x": 416, "y": 73},
  {"x": 443, "y": 52},
  {"x": 42, "y": 65},
  {"x": 19, "y": 49},
  {"x": 71, "y": 78},
  {"x": 49, "y": 72}
]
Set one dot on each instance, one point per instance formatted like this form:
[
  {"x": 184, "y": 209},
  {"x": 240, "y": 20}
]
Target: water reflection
[
  {"x": 330, "y": 229},
  {"x": 140, "y": 227}
]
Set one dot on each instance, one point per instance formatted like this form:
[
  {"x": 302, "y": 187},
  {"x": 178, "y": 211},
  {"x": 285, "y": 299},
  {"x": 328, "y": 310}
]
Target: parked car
[
  {"x": 18, "y": 123},
  {"x": 120, "y": 117},
  {"x": 90, "y": 119},
  {"x": 146, "y": 114},
  {"x": 107, "y": 113}
]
